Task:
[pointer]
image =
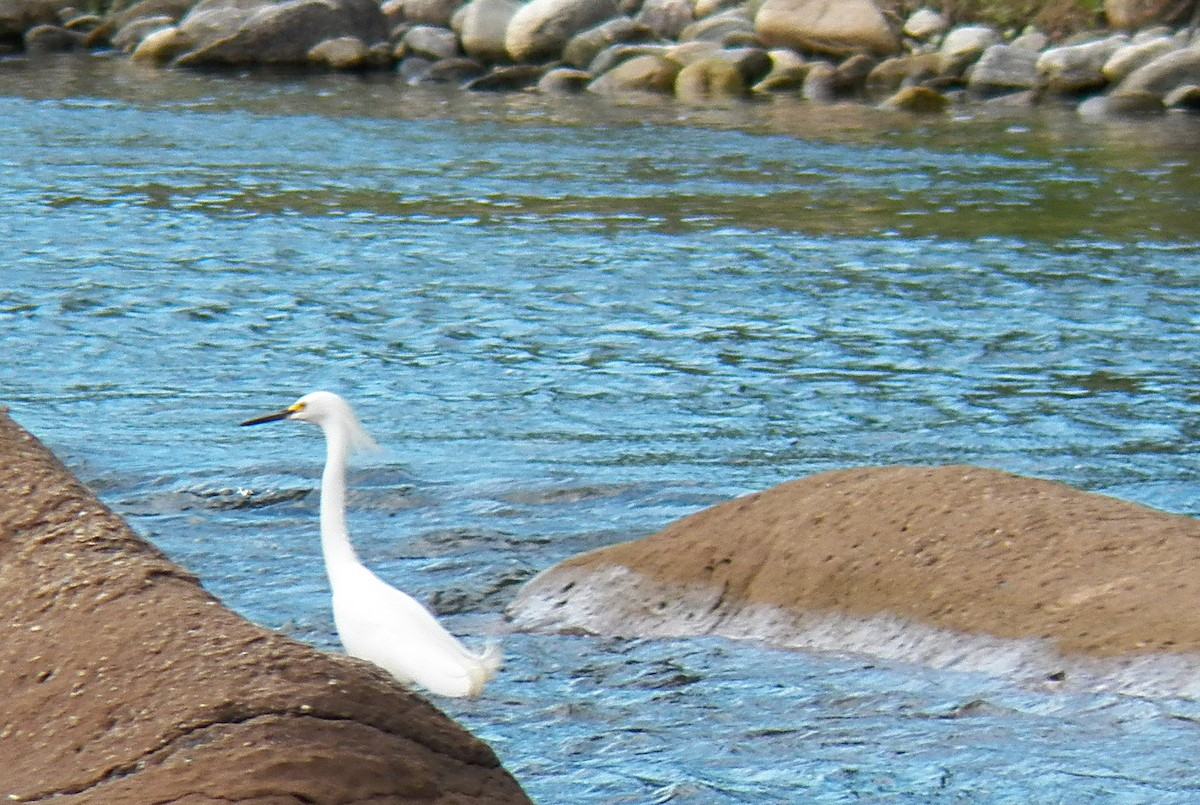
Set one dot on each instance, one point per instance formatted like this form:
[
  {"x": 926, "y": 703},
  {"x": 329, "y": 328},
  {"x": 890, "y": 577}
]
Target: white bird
[{"x": 375, "y": 621}]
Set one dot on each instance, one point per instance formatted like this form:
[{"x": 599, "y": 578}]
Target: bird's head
[{"x": 329, "y": 411}]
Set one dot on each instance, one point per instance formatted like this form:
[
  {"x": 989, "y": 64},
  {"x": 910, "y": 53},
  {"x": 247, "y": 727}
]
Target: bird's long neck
[{"x": 335, "y": 539}]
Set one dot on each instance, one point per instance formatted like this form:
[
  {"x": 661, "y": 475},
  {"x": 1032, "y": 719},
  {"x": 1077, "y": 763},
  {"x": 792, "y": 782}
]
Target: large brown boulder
[
  {"x": 956, "y": 548},
  {"x": 18, "y": 16},
  {"x": 835, "y": 27},
  {"x": 123, "y": 681},
  {"x": 254, "y": 32}
]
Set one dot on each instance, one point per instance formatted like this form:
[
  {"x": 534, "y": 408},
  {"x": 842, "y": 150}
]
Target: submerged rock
[
  {"x": 820, "y": 83},
  {"x": 647, "y": 73},
  {"x": 919, "y": 100},
  {"x": 564, "y": 81},
  {"x": 961, "y": 549},
  {"x": 506, "y": 79},
  {"x": 125, "y": 682},
  {"x": 419, "y": 70},
  {"x": 710, "y": 80},
  {"x": 1186, "y": 97},
  {"x": 161, "y": 46},
  {"x": 891, "y": 73},
  {"x": 1132, "y": 104},
  {"x": 340, "y": 53},
  {"x": 785, "y": 72}
]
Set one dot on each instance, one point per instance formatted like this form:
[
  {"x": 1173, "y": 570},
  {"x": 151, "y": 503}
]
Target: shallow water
[{"x": 572, "y": 323}]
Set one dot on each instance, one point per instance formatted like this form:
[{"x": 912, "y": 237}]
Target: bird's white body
[
  {"x": 375, "y": 621},
  {"x": 406, "y": 641}
]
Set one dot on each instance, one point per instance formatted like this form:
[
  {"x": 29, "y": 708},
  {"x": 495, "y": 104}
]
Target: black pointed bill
[{"x": 275, "y": 417}]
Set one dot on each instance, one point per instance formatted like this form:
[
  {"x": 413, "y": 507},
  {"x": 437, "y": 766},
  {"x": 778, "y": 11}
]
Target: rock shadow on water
[{"x": 567, "y": 494}]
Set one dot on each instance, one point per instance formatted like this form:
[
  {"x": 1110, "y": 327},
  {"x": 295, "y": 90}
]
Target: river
[{"x": 571, "y": 321}]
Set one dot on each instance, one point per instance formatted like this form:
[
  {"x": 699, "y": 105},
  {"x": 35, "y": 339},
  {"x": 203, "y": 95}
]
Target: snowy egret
[{"x": 375, "y": 621}]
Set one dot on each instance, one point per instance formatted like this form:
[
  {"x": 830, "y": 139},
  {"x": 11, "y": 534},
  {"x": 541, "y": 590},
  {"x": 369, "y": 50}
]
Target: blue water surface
[{"x": 570, "y": 326}]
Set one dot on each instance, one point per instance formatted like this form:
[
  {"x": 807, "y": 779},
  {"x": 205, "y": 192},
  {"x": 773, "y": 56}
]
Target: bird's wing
[{"x": 391, "y": 629}]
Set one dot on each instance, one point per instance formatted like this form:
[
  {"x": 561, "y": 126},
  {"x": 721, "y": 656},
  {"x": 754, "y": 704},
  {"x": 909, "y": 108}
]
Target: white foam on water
[{"x": 617, "y": 601}]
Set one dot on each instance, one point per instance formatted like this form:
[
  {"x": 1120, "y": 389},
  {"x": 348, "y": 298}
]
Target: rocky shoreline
[{"x": 1144, "y": 61}]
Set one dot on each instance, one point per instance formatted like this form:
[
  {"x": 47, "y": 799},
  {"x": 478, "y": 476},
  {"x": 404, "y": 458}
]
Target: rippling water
[{"x": 573, "y": 323}]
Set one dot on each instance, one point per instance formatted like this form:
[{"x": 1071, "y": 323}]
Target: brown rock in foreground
[
  {"x": 959, "y": 548},
  {"x": 125, "y": 682}
]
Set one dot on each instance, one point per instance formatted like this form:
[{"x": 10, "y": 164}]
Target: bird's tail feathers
[
  {"x": 491, "y": 658},
  {"x": 487, "y": 663}
]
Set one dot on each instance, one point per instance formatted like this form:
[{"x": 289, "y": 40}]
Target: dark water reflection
[{"x": 571, "y": 323}]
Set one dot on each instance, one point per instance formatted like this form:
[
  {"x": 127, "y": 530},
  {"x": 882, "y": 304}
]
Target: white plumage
[{"x": 375, "y": 621}]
